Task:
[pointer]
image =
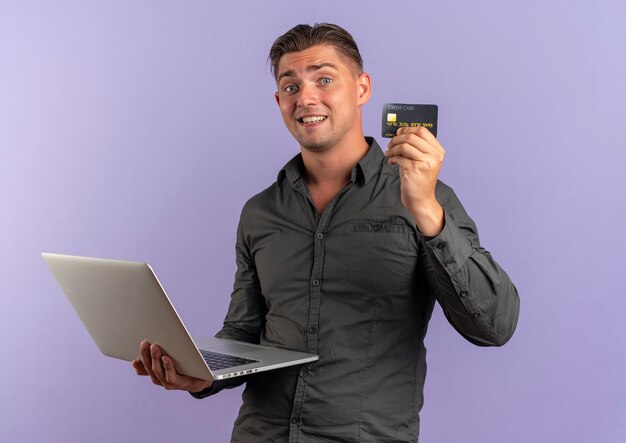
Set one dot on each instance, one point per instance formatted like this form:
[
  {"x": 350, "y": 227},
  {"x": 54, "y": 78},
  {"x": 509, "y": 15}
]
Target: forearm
[{"x": 476, "y": 294}]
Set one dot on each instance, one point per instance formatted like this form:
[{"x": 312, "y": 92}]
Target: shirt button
[
  {"x": 476, "y": 314},
  {"x": 441, "y": 245},
  {"x": 319, "y": 236},
  {"x": 303, "y": 373},
  {"x": 463, "y": 293},
  {"x": 315, "y": 282},
  {"x": 450, "y": 262},
  {"x": 377, "y": 228},
  {"x": 294, "y": 420},
  {"x": 312, "y": 330}
]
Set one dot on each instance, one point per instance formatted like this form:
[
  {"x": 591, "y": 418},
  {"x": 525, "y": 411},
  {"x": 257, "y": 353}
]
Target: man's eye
[
  {"x": 326, "y": 81},
  {"x": 291, "y": 88}
]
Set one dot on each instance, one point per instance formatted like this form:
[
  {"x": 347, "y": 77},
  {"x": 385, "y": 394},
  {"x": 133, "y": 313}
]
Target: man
[{"x": 344, "y": 256}]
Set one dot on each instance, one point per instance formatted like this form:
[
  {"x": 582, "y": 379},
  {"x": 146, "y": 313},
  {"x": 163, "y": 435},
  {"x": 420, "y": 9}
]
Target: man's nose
[{"x": 307, "y": 95}]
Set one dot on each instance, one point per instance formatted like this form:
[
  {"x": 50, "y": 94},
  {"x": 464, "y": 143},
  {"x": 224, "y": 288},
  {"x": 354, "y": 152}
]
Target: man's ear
[
  {"x": 277, "y": 98},
  {"x": 364, "y": 83}
]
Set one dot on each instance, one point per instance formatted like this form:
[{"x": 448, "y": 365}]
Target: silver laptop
[{"x": 122, "y": 303}]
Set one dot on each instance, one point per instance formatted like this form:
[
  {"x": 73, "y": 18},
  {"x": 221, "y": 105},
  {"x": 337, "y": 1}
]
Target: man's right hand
[{"x": 161, "y": 369}]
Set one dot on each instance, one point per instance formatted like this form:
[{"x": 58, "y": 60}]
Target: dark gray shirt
[{"x": 356, "y": 285}]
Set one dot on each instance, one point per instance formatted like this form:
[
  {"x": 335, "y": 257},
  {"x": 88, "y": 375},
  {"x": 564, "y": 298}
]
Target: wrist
[
  {"x": 429, "y": 218},
  {"x": 201, "y": 388}
]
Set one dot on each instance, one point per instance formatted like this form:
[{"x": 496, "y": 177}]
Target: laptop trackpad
[{"x": 234, "y": 348}]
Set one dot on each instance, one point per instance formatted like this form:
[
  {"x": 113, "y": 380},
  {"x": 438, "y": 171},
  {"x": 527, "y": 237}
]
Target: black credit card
[{"x": 398, "y": 115}]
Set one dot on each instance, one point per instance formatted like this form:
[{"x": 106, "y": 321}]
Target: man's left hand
[{"x": 420, "y": 156}]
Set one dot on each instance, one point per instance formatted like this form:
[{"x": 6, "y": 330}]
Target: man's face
[{"x": 320, "y": 95}]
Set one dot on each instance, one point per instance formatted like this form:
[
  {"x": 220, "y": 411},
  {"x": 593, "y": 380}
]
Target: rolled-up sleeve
[{"x": 476, "y": 294}]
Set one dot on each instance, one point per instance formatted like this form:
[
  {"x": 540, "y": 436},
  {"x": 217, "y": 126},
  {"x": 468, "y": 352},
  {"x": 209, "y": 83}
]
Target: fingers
[
  {"x": 420, "y": 131},
  {"x": 147, "y": 361},
  {"x": 162, "y": 370},
  {"x": 172, "y": 378},
  {"x": 410, "y": 152},
  {"x": 417, "y": 151},
  {"x": 416, "y": 144},
  {"x": 408, "y": 164},
  {"x": 157, "y": 365},
  {"x": 139, "y": 367},
  {"x": 152, "y": 359},
  {"x": 418, "y": 136}
]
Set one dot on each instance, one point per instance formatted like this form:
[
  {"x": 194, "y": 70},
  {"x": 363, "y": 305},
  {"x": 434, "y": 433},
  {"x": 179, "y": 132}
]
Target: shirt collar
[{"x": 363, "y": 171}]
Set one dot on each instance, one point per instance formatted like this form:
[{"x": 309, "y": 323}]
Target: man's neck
[{"x": 333, "y": 167}]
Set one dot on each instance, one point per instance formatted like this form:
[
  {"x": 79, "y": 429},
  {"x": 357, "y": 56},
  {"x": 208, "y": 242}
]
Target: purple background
[{"x": 137, "y": 130}]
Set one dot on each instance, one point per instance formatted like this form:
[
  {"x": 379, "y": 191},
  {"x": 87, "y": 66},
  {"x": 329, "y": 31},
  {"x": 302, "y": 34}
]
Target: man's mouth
[{"x": 312, "y": 119}]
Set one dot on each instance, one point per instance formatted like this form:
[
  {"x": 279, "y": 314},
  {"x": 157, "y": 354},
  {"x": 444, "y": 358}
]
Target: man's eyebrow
[
  {"x": 317, "y": 67},
  {"x": 285, "y": 74},
  {"x": 320, "y": 66}
]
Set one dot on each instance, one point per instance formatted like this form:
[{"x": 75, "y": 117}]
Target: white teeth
[{"x": 314, "y": 119}]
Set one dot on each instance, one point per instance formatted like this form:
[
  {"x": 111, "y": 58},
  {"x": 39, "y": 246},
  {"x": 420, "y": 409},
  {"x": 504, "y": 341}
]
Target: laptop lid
[{"x": 122, "y": 303}]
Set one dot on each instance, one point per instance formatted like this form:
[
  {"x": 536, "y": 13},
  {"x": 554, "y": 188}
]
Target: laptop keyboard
[{"x": 222, "y": 361}]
